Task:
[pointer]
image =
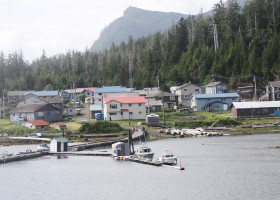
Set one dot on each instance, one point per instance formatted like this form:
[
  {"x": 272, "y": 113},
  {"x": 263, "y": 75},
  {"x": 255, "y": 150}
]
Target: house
[
  {"x": 30, "y": 112},
  {"x": 33, "y": 99},
  {"x": 273, "y": 90},
  {"x": 124, "y": 108},
  {"x": 216, "y": 88},
  {"x": 168, "y": 99},
  {"x": 213, "y": 102},
  {"x": 95, "y": 109},
  {"x": 101, "y": 93},
  {"x": 255, "y": 109},
  {"x": 14, "y": 97},
  {"x": 153, "y": 106},
  {"x": 40, "y": 125},
  {"x": 185, "y": 93},
  {"x": 70, "y": 94},
  {"x": 148, "y": 91}
]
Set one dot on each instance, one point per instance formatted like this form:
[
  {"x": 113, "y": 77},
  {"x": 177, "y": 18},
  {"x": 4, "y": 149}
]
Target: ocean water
[{"x": 216, "y": 168}]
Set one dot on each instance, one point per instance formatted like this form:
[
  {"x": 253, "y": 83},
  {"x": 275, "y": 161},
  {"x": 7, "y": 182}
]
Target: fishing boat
[
  {"x": 144, "y": 152},
  {"x": 167, "y": 158},
  {"x": 42, "y": 147}
]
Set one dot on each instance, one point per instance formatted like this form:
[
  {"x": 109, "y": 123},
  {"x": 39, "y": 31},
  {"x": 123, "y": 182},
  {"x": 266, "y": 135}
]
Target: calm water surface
[{"x": 217, "y": 168}]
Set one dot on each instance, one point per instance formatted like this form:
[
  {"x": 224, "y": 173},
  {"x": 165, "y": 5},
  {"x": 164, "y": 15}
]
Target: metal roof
[
  {"x": 111, "y": 89},
  {"x": 256, "y": 104},
  {"x": 44, "y": 93},
  {"x": 95, "y": 107},
  {"x": 218, "y": 95}
]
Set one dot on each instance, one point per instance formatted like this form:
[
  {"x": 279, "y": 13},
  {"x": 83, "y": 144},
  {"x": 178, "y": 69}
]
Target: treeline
[{"x": 246, "y": 44}]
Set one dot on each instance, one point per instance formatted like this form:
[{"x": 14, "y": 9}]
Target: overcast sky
[{"x": 61, "y": 25}]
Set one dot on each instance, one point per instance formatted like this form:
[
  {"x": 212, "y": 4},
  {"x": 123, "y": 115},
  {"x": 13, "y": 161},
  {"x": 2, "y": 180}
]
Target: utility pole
[{"x": 255, "y": 94}]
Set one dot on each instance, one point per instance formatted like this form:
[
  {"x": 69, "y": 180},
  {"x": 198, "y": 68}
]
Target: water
[{"x": 233, "y": 167}]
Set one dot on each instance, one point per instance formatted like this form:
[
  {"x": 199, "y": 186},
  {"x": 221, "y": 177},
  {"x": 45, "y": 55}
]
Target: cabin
[
  {"x": 255, "y": 109},
  {"x": 38, "y": 125},
  {"x": 59, "y": 126},
  {"x": 59, "y": 145}
]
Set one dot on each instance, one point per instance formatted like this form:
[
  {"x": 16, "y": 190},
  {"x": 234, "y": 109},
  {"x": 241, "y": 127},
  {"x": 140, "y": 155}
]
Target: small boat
[
  {"x": 144, "y": 152},
  {"x": 5, "y": 153},
  {"x": 42, "y": 147},
  {"x": 168, "y": 158}
]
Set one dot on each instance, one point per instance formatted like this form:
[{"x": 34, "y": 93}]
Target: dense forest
[{"x": 232, "y": 45}]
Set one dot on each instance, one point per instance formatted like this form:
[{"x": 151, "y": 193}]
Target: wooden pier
[
  {"x": 18, "y": 157},
  {"x": 84, "y": 153}
]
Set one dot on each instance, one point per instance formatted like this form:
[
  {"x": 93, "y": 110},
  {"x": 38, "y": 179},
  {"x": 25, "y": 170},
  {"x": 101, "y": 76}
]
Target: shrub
[{"x": 101, "y": 127}]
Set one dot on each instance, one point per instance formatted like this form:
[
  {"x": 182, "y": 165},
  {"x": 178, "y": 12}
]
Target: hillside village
[{"x": 37, "y": 109}]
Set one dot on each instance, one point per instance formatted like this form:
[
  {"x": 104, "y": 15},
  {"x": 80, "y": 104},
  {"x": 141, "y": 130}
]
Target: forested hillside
[{"x": 247, "y": 43}]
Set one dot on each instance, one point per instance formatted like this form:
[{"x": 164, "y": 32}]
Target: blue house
[{"x": 213, "y": 102}]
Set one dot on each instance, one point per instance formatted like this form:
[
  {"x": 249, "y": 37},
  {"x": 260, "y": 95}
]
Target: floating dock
[{"x": 18, "y": 157}]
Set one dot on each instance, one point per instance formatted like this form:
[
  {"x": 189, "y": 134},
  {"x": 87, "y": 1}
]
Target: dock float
[
  {"x": 19, "y": 157},
  {"x": 83, "y": 153},
  {"x": 147, "y": 162}
]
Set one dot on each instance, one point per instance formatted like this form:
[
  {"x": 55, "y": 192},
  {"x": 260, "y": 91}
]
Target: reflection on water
[{"x": 240, "y": 167}]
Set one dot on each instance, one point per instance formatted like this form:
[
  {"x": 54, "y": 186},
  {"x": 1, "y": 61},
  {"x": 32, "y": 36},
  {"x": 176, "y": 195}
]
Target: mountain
[
  {"x": 135, "y": 22},
  {"x": 138, "y": 22}
]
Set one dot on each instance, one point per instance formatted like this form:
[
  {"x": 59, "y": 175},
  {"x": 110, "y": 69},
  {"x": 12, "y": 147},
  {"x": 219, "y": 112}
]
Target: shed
[
  {"x": 120, "y": 149},
  {"x": 255, "y": 109},
  {"x": 59, "y": 145}
]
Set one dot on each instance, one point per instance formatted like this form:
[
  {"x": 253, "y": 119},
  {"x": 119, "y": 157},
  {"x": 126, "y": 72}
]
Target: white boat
[
  {"x": 168, "y": 158},
  {"x": 42, "y": 147},
  {"x": 5, "y": 153},
  {"x": 144, "y": 152}
]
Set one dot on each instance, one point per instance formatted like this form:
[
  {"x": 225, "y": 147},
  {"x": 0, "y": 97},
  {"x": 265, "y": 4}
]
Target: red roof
[
  {"x": 126, "y": 100},
  {"x": 39, "y": 123}
]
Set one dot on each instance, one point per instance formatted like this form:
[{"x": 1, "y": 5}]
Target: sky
[{"x": 57, "y": 26}]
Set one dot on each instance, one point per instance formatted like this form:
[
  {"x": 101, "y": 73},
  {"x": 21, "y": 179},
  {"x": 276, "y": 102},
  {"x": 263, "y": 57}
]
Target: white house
[
  {"x": 124, "y": 108},
  {"x": 185, "y": 92},
  {"x": 216, "y": 88}
]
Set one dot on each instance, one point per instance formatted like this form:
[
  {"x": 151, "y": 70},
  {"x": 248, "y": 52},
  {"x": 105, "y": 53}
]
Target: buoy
[{"x": 181, "y": 167}]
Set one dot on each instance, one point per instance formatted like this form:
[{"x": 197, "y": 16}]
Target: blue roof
[
  {"x": 110, "y": 89},
  {"x": 44, "y": 93},
  {"x": 212, "y": 96}
]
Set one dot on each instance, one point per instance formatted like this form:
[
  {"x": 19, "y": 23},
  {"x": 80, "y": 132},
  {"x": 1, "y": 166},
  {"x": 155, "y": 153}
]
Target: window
[
  {"x": 129, "y": 104},
  {"x": 172, "y": 98},
  {"x": 112, "y": 113},
  {"x": 278, "y": 96},
  {"x": 223, "y": 99},
  {"x": 100, "y": 94},
  {"x": 113, "y": 106},
  {"x": 140, "y": 104},
  {"x": 197, "y": 90},
  {"x": 233, "y": 99},
  {"x": 140, "y": 113},
  {"x": 130, "y": 113},
  {"x": 121, "y": 113},
  {"x": 185, "y": 90},
  {"x": 185, "y": 96},
  {"x": 209, "y": 99}
]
